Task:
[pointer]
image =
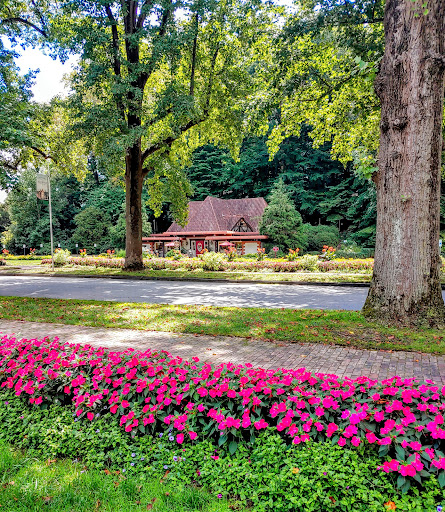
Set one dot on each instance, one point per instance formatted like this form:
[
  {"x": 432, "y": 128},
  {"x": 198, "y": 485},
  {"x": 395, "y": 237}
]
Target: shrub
[
  {"x": 213, "y": 261},
  {"x": 292, "y": 255},
  {"x": 231, "y": 253},
  {"x": 320, "y": 235},
  {"x": 260, "y": 254},
  {"x": 309, "y": 262},
  {"x": 174, "y": 253},
  {"x": 328, "y": 253},
  {"x": 365, "y": 237},
  {"x": 61, "y": 257}
]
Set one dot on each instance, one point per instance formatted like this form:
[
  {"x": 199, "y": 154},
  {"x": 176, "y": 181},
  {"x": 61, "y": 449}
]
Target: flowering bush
[
  {"x": 328, "y": 253},
  {"x": 293, "y": 254},
  {"x": 213, "y": 261},
  {"x": 231, "y": 253},
  {"x": 83, "y": 253},
  {"x": 61, "y": 257},
  {"x": 5, "y": 252},
  {"x": 152, "y": 391},
  {"x": 174, "y": 253},
  {"x": 260, "y": 254}
]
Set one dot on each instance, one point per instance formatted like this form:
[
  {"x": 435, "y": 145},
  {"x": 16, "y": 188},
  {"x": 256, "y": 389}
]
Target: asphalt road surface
[{"x": 186, "y": 292}]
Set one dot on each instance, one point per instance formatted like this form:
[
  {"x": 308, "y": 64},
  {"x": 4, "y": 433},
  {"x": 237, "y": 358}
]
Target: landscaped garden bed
[
  {"x": 277, "y": 439},
  {"x": 246, "y": 265}
]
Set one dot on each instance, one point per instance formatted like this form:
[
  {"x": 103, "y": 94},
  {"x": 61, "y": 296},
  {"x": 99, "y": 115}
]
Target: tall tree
[
  {"x": 155, "y": 80},
  {"x": 410, "y": 84},
  {"x": 281, "y": 222},
  {"x": 331, "y": 89}
]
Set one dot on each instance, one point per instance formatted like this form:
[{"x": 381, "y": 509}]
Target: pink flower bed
[{"x": 152, "y": 391}]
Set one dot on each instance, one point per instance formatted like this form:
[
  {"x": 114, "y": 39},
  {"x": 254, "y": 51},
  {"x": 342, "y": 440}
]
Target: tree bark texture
[
  {"x": 405, "y": 287},
  {"x": 133, "y": 201}
]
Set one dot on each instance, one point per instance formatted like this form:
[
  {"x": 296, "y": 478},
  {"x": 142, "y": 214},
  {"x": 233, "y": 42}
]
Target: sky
[{"x": 48, "y": 82}]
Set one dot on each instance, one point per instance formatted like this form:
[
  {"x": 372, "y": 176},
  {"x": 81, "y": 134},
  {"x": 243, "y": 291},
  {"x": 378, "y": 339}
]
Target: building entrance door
[{"x": 199, "y": 247}]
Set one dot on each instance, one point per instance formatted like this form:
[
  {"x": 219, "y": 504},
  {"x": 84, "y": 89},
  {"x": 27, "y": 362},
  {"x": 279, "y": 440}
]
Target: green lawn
[
  {"x": 348, "y": 328},
  {"x": 30, "y": 485}
]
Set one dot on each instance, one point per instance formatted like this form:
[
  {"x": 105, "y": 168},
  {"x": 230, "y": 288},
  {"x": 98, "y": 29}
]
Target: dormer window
[{"x": 242, "y": 226}]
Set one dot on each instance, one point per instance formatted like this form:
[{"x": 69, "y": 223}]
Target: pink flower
[
  {"x": 193, "y": 435},
  {"x": 416, "y": 446},
  {"x": 371, "y": 437},
  {"x": 261, "y": 424},
  {"x": 355, "y": 441},
  {"x": 90, "y": 416},
  {"x": 180, "y": 438},
  {"x": 341, "y": 441}
]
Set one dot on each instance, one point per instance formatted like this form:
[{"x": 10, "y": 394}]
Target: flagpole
[{"x": 50, "y": 219}]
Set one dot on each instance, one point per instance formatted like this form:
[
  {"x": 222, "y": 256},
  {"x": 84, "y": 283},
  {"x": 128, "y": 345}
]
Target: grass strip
[
  {"x": 31, "y": 485},
  {"x": 347, "y": 328},
  {"x": 276, "y": 277}
]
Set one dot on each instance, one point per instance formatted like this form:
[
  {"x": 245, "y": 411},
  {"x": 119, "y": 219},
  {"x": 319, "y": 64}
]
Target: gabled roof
[{"x": 214, "y": 214}]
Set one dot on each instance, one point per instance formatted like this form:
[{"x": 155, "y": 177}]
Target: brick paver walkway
[{"x": 217, "y": 349}]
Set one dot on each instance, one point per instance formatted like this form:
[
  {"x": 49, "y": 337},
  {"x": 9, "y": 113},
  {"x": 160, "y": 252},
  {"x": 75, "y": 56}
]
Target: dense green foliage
[
  {"x": 269, "y": 475},
  {"x": 87, "y": 213},
  {"x": 322, "y": 190}
]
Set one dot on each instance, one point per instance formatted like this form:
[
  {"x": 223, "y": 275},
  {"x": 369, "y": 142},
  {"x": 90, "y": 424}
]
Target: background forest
[{"x": 324, "y": 192}]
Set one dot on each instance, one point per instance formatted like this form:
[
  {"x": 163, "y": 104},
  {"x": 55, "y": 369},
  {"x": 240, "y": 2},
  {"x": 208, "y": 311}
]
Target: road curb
[
  {"x": 196, "y": 280},
  {"x": 191, "y": 279}
]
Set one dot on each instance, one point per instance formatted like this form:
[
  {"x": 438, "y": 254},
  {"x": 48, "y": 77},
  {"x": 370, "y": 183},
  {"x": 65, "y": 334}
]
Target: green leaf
[
  {"x": 222, "y": 440},
  {"x": 400, "y": 453},
  {"x": 401, "y": 481},
  {"x": 233, "y": 445},
  {"x": 441, "y": 478}
]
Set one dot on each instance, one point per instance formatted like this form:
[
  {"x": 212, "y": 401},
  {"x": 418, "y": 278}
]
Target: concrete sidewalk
[{"x": 314, "y": 357}]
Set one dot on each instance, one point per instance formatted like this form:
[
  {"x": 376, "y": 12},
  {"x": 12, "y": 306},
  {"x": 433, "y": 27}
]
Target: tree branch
[
  {"x": 116, "y": 61},
  {"x": 168, "y": 141},
  {"x": 210, "y": 84},
  {"x": 146, "y": 6},
  {"x": 195, "y": 45},
  {"x": 24, "y": 21},
  {"x": 43, "y": 154}
]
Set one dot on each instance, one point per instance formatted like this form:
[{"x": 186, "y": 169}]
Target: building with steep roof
[{"x": 214, "y": 224}]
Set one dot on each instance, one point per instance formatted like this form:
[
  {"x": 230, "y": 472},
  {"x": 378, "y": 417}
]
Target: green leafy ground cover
[
  {"x": 347, "y": 328},
  {"x": 30, "y": 484},
  {"x": 267, "y": 476}
]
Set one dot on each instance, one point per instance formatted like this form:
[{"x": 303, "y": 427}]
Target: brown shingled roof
[{"x": 214, "y": 214}]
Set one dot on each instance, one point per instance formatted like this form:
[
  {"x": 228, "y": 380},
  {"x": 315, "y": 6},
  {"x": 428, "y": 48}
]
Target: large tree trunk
[
  {"x": 405, "y": 286},
  {"x": 133, "y": 200}
]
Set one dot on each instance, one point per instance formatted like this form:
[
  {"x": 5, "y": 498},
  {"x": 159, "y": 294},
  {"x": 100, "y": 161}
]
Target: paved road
[{"x": 182, "y": 292}]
